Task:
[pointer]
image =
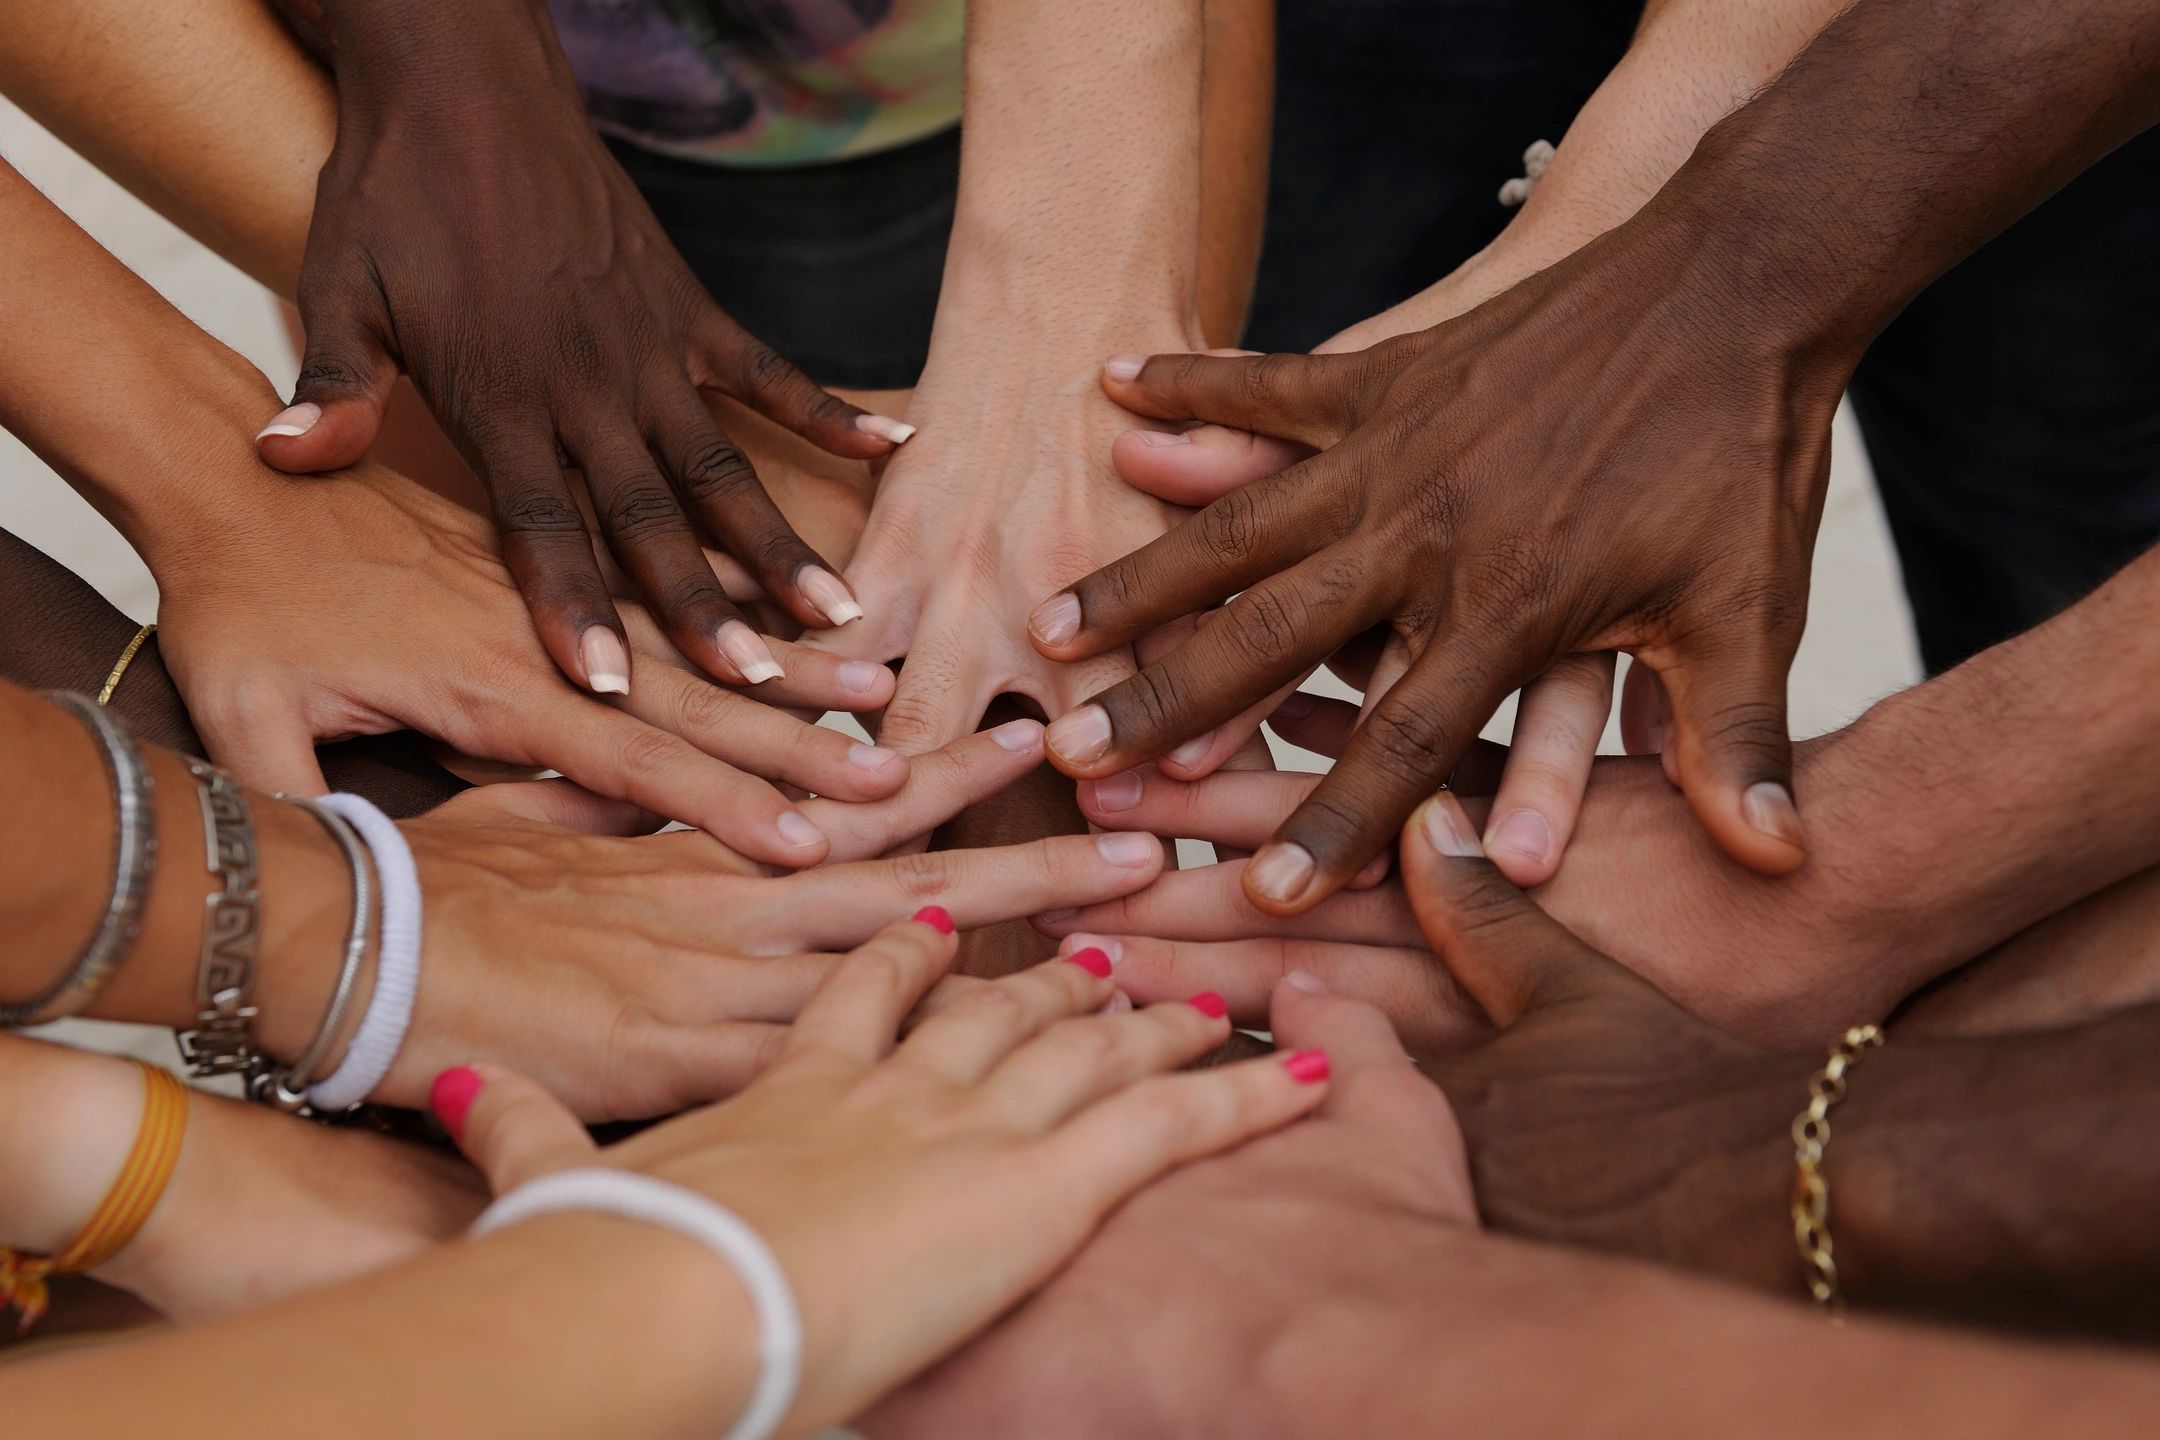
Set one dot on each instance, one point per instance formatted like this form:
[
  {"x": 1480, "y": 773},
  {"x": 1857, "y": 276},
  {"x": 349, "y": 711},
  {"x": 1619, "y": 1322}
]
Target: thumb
[
  {"x": 1309, "y": 399},
  {"x": 266, "y": 746},
  {"x": 510, "y": 1127},
  {"x": 1511, "y": 956},
  {"x": 1199, "y": 466},
  {"x": 1734, "y": 753},
  {"x": 345, "y": 381}
]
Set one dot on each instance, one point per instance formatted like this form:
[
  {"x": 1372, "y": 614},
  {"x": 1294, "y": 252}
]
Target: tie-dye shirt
[{"x": 766, "y": 82}]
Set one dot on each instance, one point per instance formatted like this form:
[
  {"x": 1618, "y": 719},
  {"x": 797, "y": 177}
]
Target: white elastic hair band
[
  {"x": 376, "y": 1043},
  {"x": 657, "y": 1202}
]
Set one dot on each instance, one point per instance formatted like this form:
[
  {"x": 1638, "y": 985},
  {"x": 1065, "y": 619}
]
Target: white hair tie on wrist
[
  {"x": 381, "y": 1035},
  {"x": 726, "y": 1234}
]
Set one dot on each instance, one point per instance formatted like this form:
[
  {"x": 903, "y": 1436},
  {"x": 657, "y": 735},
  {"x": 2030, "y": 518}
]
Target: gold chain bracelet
[
  {"x": 127, "y": 658},
  {"x": 1811, "y": 1192}
]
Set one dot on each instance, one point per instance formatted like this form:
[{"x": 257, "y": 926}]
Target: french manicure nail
[
  {"x": 1210, "y": 1004},
  {"x": 832, "y": 598},
  {"x": 1093, "y": 961},
  {"x": 871, "y": 758},
  {"x": 1124, "y": 367},
  {"x": 292, "y": 420},
  {"x": 796, "y": 829},
  {"x": 1163, "y": 437},
  {"x": 1307, "y": 1067},
  {"x": 1192, "y": 752},
  {"x": 607, "y": 663},
  {"x": 1448, "y": 829},
  {"x": 1018, "y": 736},
  {"x": 860, "y": 676},
  {"x": 1082, "y": 737},
  {"x": 1280, "y": 872},
  {"x": 1057, "y": 619},
  {"x": 1306, "y": 981},
  {"x": 1769, "y": 808},
  {"x": 1112, "y": 793},
  {"x": 451, "y": 1097},
  {"x": 1522, "y": 833},
  {"x": 937, "y": 917},
  {"x": 1126, "y": 848},
  {"x": 884, "y": 427},
  {"x": 746, "y": 651}
]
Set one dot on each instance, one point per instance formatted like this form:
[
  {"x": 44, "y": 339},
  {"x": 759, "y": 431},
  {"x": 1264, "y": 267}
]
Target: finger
[
  {"x": 1203, "y": 755},
  {"x": 764, "y": 740},
  {"x": 553, "y": 802},
  {"x": 1317, "y": 723},
  {"x": 346, "y": 375},
  {"x": 855, "y": 1015},
  {"x": 937, "y": 700},
  {"x": 1197, "y": 466},
  {"x": 262, "y": 737},
  {"x": 1557, "y": 725},
  {"x": 549, "y": 553},
  {"x": 684, "y": 1065},
  {"x": 1208, "y": 903},
  {"x": 939, "y": 786},
  {"x": 823, "y": 680},
  {"x": 1309, "y": 399},
  {"x": 1082, "y": 1060},
  {"x": 1735, "y": 752},
  {"x": 1645, "y": 711},
  {"x": 1240, "y": 808},
  {"x": 511, "y": 1128},
  {"x": 768, "y": 383},
  {"x": 966, "y": 1039},
  {"x": 1405, "y": 748},
  {"x": 1264, "y": 640},
  {"x": 837, "y": 905},
  {"x": 1507, "y": 953}
]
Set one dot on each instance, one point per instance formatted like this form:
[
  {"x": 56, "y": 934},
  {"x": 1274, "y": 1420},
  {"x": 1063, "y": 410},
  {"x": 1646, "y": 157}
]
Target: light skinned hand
[{"x": 913, "y": 1191}]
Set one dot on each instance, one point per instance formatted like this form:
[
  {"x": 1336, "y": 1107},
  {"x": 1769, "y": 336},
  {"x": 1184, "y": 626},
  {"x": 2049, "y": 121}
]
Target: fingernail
[
  {"x": 1124, "y": 367},
  {"x": 1127, "y": 848},
  {"x": 1055, "y": 917},
  {"x": 1192, "y": 752},
  {"x": 1280, "y": 872},
  {"x": 1120, "y": 1004},
  {"x": 1296, "y": 705},
  {"x": 1073, "y": 944},
  {"x": 831, "y": 597},
  {"x": 1769, "y": 808},
  {"x": 1112, "y": 793},
  {"x": 1307, "y": 1067},
  {"x": 1210, "y": 1004},
  {"x": 746, "y": 651},
  {"x": 860, "y": 676},
  {"x": 1448, "y": 829},
  {"x": 1082, "y": 737},
  {"x": 292, "y": 420},
  {"x": 1093, "y": 961},
  {"x": 1018, "y": 736},
  {"x": 937, "y": 917},
  {"x": 1306, "y": 981},
  {"x": 870, "y": 757},
  {"x": 1057, "y": 619},
  {"x": 1159, "y": 437},
  {"x": 899, "y": 432},
  {"x": 796, "y": 829},
  {"x": 607, "y": 663},
  {"x": 1522, "y": 833},
  {"x": 1373, "y": 873},
  {"x": 452, "y": 1096}
]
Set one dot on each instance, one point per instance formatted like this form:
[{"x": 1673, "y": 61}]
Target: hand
[
  {"x": 1415, "y": 516},
  {"x": 521, "y": 281},
  {"x": 365, "y": 604},
  {"x": 1191, "y": 1292},
  {"x": 913, "y": 1192}
]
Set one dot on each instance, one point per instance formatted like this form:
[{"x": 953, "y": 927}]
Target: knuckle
[
  {"x": 643, "y": 506},
  {"x": 1402, "y": 741},
  {"x": 925, "y": 875},
  {"x": 1155, "y": 696},
  {"x": 1232, "y": 527},
  {"x": 1085, "y": 1043},
  {"x": 716, "y": 470},
  {"x": 1265, "y": 626},
  {"x": 996, "y": 1005},
  {"x": 709, "y": 709},
  {"x": 536, "y": 510},
  {"x": 649, "y": 752},
  {"x": 765, "y": 369}
]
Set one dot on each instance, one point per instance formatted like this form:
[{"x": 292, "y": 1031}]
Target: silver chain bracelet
[{"x": 285, "y": 1087}]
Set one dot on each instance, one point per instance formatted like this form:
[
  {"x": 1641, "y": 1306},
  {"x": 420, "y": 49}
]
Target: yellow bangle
[
  {"x": 120, "y": 1215},
  {"x": 127, "y": 658},
  {"x": 1811, "y": 1190}
]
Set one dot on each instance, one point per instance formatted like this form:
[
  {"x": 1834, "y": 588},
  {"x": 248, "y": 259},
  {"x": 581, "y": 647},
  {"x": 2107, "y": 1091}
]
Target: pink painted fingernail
[
  {"x": 1072, "y": 944},
  {"x": 1210, "y": 1004},
  {"x": 1082, "y": 737},
  {"x": 1448, "y": 829},
  {"x": 292, "y": 420},
  {"x": 872, "y": 758},
  {"x": 796, "y": 829},
  {"x": 1523, "y": 833},
  {"x": 937, "y": 917},
  {"x": 1057, "y": 619},
  {"x": 1280, "y": 872},
  {"x": 861, "y": 677},
  {"x": 1112, "y": 793},
  {"x": 1127, "y": 848},
  {"x": 1163, "y": 437},
  {"x": 1192, "y": 752},
  {"x": 1307, "y": 1067},
  {"x": 1769, "y": 808},
  {"x": 452, "y": 1096},
  {"x": 898, "y": 432},
  {"x": 1018, "y": 736},
  {"x": 746, "y": 651},
  {"x": 1093, "y": 961},
  {"x": 607, "y": 663},
  {"x": 832, "y": 598},
  {"x": 1124, "y": 367}
]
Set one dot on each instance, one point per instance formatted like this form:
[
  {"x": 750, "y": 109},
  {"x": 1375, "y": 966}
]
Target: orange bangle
[{"x": 134, "y": 1194}]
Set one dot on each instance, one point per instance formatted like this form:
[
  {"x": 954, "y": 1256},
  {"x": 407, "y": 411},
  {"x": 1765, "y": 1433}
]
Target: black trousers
[{"x": 2012, "y": 413}]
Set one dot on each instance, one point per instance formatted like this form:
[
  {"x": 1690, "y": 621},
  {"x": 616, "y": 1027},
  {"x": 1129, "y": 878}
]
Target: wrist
[{"x": 72, "y": 1116}]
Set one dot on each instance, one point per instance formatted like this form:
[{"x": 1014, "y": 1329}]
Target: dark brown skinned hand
[
  {"x": 1611, "y": 455},
  {"x": 470, "y": 227}
]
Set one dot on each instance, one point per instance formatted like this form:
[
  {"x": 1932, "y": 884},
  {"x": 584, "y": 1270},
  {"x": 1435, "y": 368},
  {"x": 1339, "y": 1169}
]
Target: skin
[
  {"x": 1688, "y": 341},
  {"x": 875, "y": 1173}
]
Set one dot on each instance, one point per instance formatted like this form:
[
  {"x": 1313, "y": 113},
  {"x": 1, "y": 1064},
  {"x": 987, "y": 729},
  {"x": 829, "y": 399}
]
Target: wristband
[
  {"x": 381, "y": 1034},
  {"x": 726, "y": 1234}
]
